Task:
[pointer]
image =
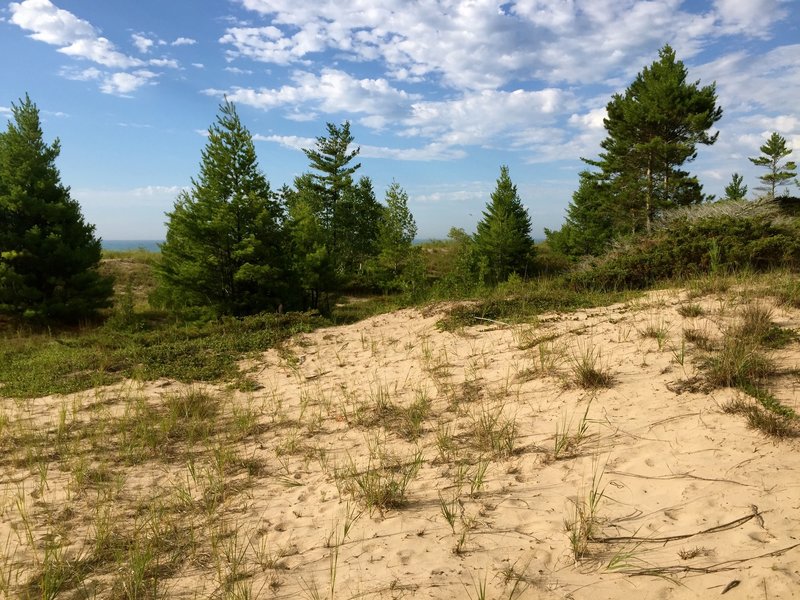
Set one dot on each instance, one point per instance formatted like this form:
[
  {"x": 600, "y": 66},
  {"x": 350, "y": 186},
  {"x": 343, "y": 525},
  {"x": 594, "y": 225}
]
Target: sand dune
[{"x": 677, "y": 499}]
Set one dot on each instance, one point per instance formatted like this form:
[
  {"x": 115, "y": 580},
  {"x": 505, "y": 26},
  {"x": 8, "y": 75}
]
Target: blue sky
[{"x": 440, "y": 93}]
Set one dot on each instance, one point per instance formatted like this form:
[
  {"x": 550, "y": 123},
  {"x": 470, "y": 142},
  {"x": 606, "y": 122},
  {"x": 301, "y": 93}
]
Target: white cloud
[
  {"x": 165, "y": 62},
  {"x": 474, "y": 45},
  {"x": 5, "y": 111},
  {"x": 142, "y": 42},
  {"x": 753, "y": 18},
  {"x": 122, "y": 84},
  {"x": 429, "y": 152},
  {"x": 198, "y": 65},
  {"x": 90, "y": 74},
  {"x": 157, "y": 190},
  {"x": 487, "y": 117},
  {"x": 184, "y": 41},
  {"x": 332, "y": 91},
  {"x": 76, "y": 37},
  {"x": 238, "y": 71}
]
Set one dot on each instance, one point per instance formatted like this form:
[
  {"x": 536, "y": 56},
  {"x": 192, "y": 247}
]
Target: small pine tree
[
  {"x": 735, "y": 190},
  {"x": 397, "y": 258},
  {"x": 503, "y": 241},
  {"x": 773, "y": 152},
  {"x": 48, "y": 253},
  {"x": 224, "y": 248}
]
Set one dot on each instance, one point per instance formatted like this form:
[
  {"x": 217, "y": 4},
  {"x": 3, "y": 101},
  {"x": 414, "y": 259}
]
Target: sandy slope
[{"x": 704, "y": 500}]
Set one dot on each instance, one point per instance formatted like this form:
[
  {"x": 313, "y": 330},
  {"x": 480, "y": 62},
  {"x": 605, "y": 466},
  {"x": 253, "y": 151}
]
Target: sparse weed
[
  {"x": 382, "y": 485},
  {"x": 566, "y": 442},
  {"x": 656, "y": 329},
  {"x": 583, "y": 522},
  {"x": 691, "y": 311},
  {"x": 492, "y": 431},
  {"x": 587, "y": 369}
]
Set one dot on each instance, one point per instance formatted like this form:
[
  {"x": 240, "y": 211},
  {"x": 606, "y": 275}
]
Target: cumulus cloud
[
  {"x": 184, "y": 41},
  {"x": 332, "y": 91},
  {"x": 142, "y": 42},
  {"x": 477, "y": 45},
  {"x": 428, "y": 152},
  {"x": 122, "y": 83},
  {"x": 238, "y": 71},
  {"x": 753, "y": 18},
  {"x": 90, "y": 74},
  {"x": 5, "y": 111},
  {"x": 165, "y": 62},
  {"x": 74, "y": 36}
]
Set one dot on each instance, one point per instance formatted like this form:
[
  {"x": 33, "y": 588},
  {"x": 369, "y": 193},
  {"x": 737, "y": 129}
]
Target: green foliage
[
  {"x": 40, "y": 364},
  {"x": 653, "y": 129},
  {"x": 735, "y": 190},
  {"x": 690, "y": 245},
  {"x": 48, "y": 254},
  {"x": 589, "y": 226},
  {"x": 461, "y": 276},
  {"x": 224, "y": 248},
  {"x": 333, "y": 220},
  {"x": 398, "y": 265},
  {"x": 773, "y": 151},
  {"x": 503, "y": 241}
]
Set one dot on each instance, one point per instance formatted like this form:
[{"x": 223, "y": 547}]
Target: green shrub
[{"x": 690, "y": 245}]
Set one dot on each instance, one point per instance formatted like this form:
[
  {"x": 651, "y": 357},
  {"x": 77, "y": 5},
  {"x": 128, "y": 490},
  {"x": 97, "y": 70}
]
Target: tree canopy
[{"x": 48, "y": 253}]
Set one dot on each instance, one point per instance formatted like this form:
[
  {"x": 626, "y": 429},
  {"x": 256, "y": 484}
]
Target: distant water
[{"x": 149, "y": 245}]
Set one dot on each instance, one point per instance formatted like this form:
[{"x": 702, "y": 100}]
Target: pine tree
[
  {"x": 735, "y": 190},
  {"x": 346, "y": 216},
  {"x": 48, "y": 254},
  {"x": 773, "y": 152},
  {"x": 224, "y": 248},
  {"x": 334, "y": 178},
  {"x": 503, "y": 241},
  {"x": 397, "y": 260},
  {"x": 654, "y": 128}
]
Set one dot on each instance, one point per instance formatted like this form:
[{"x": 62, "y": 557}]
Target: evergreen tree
[
  {"x": 503, "y": 241},
  {"x": 357, "y": 224},
  {"x": 398, "y": 260},
  {"x": 735, "y": 190},
  {"x": 773, "y": 152},
  {"x": 48, "y": 253},
  {"x": 590, "y": 219},
  {"x": 653, "y": 129},
  {"x": 334, "y": 178},
  {"x": 310, "y": 259},
  {"x": 224, "y": 248},
  {"x": 346, "y": 216}
]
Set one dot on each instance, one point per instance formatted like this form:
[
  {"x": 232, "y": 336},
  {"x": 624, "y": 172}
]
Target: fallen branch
[{"x": 672, "y": 538}]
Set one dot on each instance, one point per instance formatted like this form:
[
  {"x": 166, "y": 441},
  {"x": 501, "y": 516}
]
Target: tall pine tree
[
  {"x": 503, "y": 241},
  {"x": 224, "y": 248},
  {"x": 48, "y": 253},
  {"x": 653, "y": 129},
  {"x": 343, "y": 215}
]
